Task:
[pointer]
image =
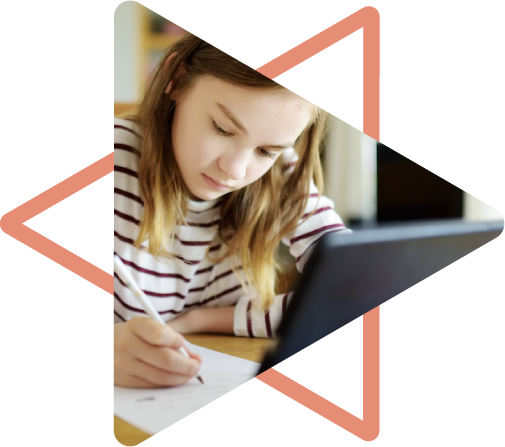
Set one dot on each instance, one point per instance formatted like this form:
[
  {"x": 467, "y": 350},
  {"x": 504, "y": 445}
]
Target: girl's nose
[{"x": 234, "y": 163}]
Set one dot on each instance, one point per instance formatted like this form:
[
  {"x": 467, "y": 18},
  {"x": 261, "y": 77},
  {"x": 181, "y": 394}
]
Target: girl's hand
[{"x": 146, "y": 356}]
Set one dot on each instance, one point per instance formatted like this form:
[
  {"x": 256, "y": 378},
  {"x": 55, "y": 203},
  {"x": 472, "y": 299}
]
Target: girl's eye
[
  {"x": 262, "y": 151},
  {"x": 221, "y": 131},
  {"x": 265, "y": 153}
]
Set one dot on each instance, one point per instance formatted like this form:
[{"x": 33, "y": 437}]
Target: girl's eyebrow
[{"x": 231, "y": 116}]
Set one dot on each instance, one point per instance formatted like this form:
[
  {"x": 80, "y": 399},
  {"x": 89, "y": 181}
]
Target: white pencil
[{"x": 145, "y": 303}]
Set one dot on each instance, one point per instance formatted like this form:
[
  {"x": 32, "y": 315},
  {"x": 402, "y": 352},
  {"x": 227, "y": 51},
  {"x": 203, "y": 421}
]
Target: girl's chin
[{"x": 195, "y": 198}]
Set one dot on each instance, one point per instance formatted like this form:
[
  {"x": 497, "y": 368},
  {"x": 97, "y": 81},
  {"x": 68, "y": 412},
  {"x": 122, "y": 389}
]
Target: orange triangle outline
[{"x": 12, "y": 223}]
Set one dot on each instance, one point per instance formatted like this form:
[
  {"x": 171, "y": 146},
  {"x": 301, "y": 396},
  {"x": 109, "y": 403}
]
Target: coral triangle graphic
[{"x": 12, "y": 223}]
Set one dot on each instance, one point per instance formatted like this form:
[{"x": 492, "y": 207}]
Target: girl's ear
[
  {"x": 177, "y": 73},
  {"x": 169, "y": 60}
]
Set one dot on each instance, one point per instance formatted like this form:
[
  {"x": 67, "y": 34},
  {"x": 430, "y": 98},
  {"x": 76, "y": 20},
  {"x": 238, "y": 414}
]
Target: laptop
[{"x": 349, "y": 275}]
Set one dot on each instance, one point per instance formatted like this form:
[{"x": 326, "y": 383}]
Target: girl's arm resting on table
[{"x": 218, "y": 320}]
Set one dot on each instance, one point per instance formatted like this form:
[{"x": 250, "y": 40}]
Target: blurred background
[{"x": 370, "y": 184}]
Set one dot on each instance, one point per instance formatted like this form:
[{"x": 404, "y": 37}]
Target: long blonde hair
[{"x": 255, "y": 218}]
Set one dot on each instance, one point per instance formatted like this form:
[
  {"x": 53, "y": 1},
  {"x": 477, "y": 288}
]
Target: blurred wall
[
  {"x": 350, "y": 171},
  {"x": 474, "y": 209},
  {"x": 126, "y": 64}
]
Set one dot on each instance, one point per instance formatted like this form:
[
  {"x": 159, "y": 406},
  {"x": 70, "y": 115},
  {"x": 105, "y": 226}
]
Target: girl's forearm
[{"x": 218, "y": 320}]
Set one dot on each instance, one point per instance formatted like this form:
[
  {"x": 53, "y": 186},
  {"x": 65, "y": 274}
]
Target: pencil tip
[{"x": 200, "y": 379}]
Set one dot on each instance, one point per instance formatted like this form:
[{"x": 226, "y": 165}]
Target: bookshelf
[{"x": 156, "y": 34}]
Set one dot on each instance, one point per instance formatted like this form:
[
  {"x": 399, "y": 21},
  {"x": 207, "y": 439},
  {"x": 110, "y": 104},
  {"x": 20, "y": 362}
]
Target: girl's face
[{"x": 225, "y": 137}]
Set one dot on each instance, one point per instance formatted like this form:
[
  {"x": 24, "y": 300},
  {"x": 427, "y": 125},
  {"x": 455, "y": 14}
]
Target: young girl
[{"x": 217, "y": 167}]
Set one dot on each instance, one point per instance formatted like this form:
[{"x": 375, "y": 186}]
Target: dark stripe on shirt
[
  {"x": 177, "y": 276},
  {"x": 118, "y": 126},
  {"x": 126, "y": 239},
  {"x": 153, "y": 294},
  {"x": 222, "y": 275},
  {"x": 227, "y": 291},
  {"x": 123, "y": 238},
  {"x": 178, "y": 295},
  {"x": 131, "y": 242},
  {"x": 126, "y": 171},
  {"x": 189, "y": 224},
  {"x": 319, "y": 230},
  {"x": 170, "y": 311},
  {"x": 267, "y": 324},
  {"x": 119, "y": 316},
  {"x": 249, "y": 323},
  {"x": 127, "y": 306},
  {"x": 128, "y": 195},
  {"x": 320, "y": 210},
  {"x": 126, "y": 217},
  {"x": 194, "y": 243},
  {"x": 152, "y": 272},
  {"x": 127, "y": 148},
  {"x": 134, "y": 309},
  {"x": 217, "y": 278},
  {"x": 313, "y": 242}
]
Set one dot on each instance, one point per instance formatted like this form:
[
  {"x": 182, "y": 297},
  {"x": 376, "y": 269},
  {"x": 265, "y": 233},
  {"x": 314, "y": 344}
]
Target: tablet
[{"x": 348, "y": 275}]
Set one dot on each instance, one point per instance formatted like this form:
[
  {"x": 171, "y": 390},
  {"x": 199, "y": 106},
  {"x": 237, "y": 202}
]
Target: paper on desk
[{"x": 155, "y": 410}]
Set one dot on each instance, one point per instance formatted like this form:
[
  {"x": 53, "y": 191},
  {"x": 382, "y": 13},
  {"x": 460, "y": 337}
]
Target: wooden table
[{"x": 246, "y": 348}]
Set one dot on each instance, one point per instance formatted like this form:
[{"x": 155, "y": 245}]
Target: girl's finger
[
  {"x": 155, "y": 377},
  {"x": 155, "y": 333},
  {"x": 135, "y": 382},
  {"x": 193, "y": 355},
  {"x": 165, "y": 359}
]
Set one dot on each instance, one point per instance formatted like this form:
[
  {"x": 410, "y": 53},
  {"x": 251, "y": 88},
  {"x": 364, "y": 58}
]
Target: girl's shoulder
[
  {"x": 127, "y": 149},
  {"x": 127, "y": 137},
  {"x": 125, "y": 128}
]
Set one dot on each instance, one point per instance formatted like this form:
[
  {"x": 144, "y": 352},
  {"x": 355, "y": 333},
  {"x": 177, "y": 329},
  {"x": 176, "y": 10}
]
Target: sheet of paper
[{"x": 155, "y": 410}]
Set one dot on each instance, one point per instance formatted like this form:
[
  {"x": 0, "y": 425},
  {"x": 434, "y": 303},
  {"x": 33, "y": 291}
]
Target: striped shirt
[{"x": 193, "y": 280}]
